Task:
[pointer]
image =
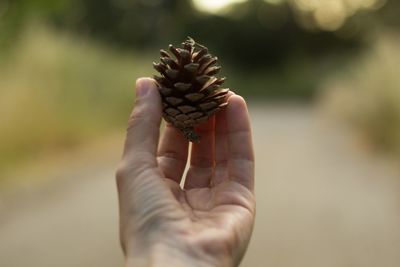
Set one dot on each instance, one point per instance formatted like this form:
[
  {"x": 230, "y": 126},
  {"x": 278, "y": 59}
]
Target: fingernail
[
  {"x": 141, "y": 91},
  {"x": 142, "y": 88}
]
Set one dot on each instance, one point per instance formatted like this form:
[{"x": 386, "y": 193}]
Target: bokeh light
[
  {"x": 327, "y": 15},
  {"x": 330, "y": 15},
  {"x": 213, "y": 6}
]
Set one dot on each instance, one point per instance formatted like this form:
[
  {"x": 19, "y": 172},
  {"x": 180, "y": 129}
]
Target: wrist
[{"x": 172, "y": 254}]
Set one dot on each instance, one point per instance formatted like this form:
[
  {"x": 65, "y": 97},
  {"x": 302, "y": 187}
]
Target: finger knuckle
[
  {"x": 122, "y": 172},
  {"x": 172, "y": 154},
  {"x": 137, "y": 114},
  {"x": 132, "y": 166},
  {"x": 143, "y": 115}
]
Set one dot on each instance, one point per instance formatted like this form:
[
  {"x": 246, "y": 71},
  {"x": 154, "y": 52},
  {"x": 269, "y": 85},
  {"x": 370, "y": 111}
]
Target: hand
[{"x": 209, "y": 222}]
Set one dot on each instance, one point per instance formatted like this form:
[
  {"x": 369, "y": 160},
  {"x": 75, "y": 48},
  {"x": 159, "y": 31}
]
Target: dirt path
[{"x": 321, "y": 202}]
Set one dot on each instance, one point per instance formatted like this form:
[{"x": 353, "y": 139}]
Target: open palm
[{"x": 208, "y": 221}]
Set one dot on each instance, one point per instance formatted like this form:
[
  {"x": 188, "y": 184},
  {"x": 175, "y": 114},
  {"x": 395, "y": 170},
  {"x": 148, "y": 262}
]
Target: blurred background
[{"x": 322, "y": 82}]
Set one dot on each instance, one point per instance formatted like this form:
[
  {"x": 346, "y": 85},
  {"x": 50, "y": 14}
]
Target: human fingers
[
  {"x": 202, "y": 157},
  {"x": 241, "y": 154},
  {"x": 221, "y": 147},
  {"x": 144, "y": 124},
  {"x": 173, "y": 153}
]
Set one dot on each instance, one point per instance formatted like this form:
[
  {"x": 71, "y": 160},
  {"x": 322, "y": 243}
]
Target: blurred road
[{"x": 322, "y": 202}]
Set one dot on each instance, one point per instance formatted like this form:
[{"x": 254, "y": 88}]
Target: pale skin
[{"x": 209, "y": 221}]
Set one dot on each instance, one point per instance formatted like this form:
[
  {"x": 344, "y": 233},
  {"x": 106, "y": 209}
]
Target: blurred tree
[
  {"x": 259, "y": 29},
  {"x": 265, "y": 34},
  {"x": 14, "y": 14},
  {"x": 129, "y": 23},
  {"x": 254, "y": 36}
]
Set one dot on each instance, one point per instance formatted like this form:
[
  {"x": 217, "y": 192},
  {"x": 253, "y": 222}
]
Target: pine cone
[{"x": 189, "y": 89}]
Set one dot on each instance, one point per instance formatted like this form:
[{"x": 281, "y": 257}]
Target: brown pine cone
[{"x": 190, "y": 91}]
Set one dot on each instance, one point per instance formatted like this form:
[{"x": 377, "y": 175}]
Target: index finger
[
  {"x": 144, "y": 123},
  {"x": 241, "y": 153}
]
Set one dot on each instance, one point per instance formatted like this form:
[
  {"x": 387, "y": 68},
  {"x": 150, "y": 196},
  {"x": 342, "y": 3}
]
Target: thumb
[{"x": 144, "y": 123}]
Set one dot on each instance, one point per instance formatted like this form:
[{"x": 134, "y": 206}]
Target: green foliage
[
  {"x": 262, "y": 43},
  {"x": 57, "y": 91},
  {"x": 14, "y": 15}
]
